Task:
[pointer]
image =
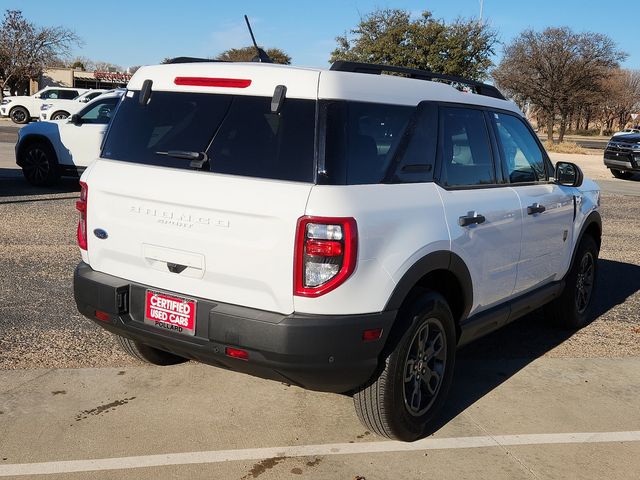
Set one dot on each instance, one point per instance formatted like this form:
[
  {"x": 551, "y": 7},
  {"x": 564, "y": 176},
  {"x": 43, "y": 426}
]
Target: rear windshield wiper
[{"x": 198, "y": 159}]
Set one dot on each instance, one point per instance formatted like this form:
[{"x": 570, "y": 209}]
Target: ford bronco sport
[{"x": 340, "y": 230}]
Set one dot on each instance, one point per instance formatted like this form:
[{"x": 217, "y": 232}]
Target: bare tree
[
  {"x": 25, "y": 49},
  {"x": 557, "y": 70}
]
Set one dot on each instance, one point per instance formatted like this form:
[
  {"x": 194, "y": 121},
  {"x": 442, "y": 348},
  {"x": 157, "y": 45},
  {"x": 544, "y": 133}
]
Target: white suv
[
  {"x": 50, "y": 149},
  {"x": 61, "y": 108},
  {"x": 338, "y": 229},
  {"x": 21, "y": 109}
]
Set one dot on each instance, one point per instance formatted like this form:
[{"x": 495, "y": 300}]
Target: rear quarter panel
[{"x": 397, "y": 225}]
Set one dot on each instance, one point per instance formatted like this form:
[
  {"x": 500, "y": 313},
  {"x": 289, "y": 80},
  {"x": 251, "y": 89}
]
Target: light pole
[{"x": 481, "y": 8}]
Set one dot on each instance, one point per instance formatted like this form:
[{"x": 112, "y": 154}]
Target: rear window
[{"x": 239, "y": 134}]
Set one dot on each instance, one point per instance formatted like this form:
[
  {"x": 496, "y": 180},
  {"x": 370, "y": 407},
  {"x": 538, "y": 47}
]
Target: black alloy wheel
[
  {"x": 39, "y": 165},
  {"x": 19, "y": 115},
  {"x": 424, "y": 367}
]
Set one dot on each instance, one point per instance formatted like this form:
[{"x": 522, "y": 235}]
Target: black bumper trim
[{"x": 317, "y": 352}]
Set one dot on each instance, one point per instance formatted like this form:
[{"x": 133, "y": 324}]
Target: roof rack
[
  {"x": 376, "y": 69},
  {"x": 191, "y": 60}
]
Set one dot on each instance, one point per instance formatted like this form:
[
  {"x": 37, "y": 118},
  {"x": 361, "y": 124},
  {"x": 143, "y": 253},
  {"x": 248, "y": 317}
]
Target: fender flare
[
  {"x": 593, "y": 218},
  {"x": 438, "y": 260}
]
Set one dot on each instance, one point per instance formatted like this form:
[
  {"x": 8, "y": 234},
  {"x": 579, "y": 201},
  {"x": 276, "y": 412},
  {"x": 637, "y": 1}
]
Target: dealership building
[{"x": 71, "y": 77}]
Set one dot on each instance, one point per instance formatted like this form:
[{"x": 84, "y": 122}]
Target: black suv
[{"x": 622, "y": 155}]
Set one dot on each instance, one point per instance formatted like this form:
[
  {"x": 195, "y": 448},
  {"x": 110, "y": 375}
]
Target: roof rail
[
  {"x": 191, "y": 60},
  {"x": 377, "y": 69}
]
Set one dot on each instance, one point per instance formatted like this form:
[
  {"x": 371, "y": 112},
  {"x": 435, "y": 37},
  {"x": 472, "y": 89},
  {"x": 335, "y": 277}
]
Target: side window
[
  {"x": 99, "y": 113},
  {"x": 465, "y": 148},
  {"x": 361, "y": 140},
  {"x": 49, "y": 94},
  {"x": 67, "y": 94},
  {"x": 523, "y": 158},
  {"x": 416, "y": 153}
]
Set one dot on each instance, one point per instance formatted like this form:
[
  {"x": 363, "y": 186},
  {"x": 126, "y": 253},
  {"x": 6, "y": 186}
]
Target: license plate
[{"x": 171, "y": 313}]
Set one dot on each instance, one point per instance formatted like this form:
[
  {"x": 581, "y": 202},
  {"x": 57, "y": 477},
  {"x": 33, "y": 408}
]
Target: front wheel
[
  {"x": 59, "y": 116},
  {"x": 623, "y": 174},
  {"x": 572, "y": 309},
  {"x": 403, "y": 400},
  {"x": 19, "y": 115},
  {"x": 39, "y": 164}
]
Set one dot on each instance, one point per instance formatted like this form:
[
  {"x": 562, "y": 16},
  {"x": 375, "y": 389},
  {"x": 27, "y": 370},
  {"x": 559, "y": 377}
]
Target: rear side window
[
  {"x": 522, "y": 156},
  {"x": 465, "y": 148},
  {"x": 361, "y": 140},
  {"x": 68, "y": 94},
  {"x": 239, "y": 133}
]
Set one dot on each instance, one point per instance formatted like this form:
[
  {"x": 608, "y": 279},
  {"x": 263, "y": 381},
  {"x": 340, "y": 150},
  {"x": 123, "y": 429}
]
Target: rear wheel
[
  {"x": 19, "y": 115},
  {"x": 572, "y": 309},
  {"x": 39, "y": 164},
  {"x": 623, "y": 174},
  {"x": 403, "y": 401},
  {"x": 59, "y": 115},
  {"x": 148, "y": 354}
]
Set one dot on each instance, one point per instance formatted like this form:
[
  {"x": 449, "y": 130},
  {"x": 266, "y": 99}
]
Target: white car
[
  {"x": 626, "y": 131},
  {"x": 21, "y": 109},
  {"x": 340, "y": 230},
  {"x": 61, "y": 108},
  {"x": 47, "y": 150}
]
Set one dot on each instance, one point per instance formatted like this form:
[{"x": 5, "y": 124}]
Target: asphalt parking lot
[{"x": 529, "y": 401}]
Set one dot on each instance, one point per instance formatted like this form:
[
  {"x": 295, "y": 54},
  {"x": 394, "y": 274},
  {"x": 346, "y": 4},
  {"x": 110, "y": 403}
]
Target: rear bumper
[{"x": 317, "y": 352}]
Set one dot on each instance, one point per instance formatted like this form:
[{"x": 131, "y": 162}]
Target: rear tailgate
[
  {"x": 225, "y": 232},
  {"x": 234, "y": 235}
]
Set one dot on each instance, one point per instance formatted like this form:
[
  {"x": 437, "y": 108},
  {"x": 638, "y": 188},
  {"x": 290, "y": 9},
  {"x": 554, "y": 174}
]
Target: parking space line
[{"x": 219, "y": 456}]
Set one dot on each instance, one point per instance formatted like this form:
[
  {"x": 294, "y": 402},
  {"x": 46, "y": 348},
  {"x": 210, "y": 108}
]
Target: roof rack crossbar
[{"x": 377, "y": 69}]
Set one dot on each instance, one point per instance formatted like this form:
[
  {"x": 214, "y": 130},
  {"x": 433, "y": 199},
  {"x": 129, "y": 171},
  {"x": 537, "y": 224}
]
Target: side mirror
[
  {"x": 75, "y": 119},
  {"x": 568, "y": 174}
]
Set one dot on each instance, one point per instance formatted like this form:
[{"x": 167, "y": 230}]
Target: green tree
[
  {"x": 391, "y": 37},
  {"x": 246, "y": 54}
]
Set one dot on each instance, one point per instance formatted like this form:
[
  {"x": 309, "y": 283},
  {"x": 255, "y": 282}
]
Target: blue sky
[{"x": 144, "y": 32}]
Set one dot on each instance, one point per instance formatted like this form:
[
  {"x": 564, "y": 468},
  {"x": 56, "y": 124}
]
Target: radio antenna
[{"x": 261, "y": 54}]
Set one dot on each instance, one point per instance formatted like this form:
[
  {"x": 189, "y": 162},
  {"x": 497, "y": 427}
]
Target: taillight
[
  {"x": 325, "y": 254},
  {"x": 81, "y": 206}
]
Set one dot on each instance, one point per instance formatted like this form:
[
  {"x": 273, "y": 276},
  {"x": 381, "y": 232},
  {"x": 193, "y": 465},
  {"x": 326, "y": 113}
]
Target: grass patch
[{"x": 564, "y": 147}]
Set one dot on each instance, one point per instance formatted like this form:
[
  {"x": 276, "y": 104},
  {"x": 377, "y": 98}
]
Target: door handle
[
  {"x": 470, "y": 218},
  {"x": 535, "y": 208}
]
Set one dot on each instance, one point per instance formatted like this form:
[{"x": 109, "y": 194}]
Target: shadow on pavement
[
  {"x": 13, "y": 184},
  {"x": 490, "y": 361}
]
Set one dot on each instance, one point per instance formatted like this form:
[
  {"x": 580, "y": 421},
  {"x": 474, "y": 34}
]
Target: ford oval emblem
[{"x": 101, "y": 234}]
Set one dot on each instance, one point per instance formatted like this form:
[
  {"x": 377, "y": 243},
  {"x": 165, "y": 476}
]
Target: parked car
[
  {"x": 622, "y": 155},
  {"x": 21, "y": 109},
  {"x": 48, "y": 150},
  {"x": 61, "y": 108},
  {"x": 340, "y": 230},
  {"x": 627, "y": 131}
]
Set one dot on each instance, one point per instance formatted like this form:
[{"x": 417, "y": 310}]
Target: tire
[
  {"x": 623, "y": 174},
  {"x": 148, "y": 354},
  {"x": 572, "y": 310},
  {"x": 39, "y": 164},
  {"x": 61, "y": 115},
  {"x": 19, "y": 115},
  {"x": 404, "y": 407}
]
